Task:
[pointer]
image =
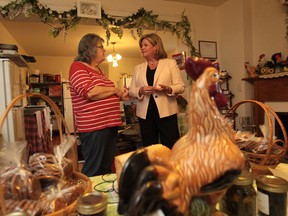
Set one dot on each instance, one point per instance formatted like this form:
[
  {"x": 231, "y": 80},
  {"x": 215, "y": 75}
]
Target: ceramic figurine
[{"x": 202, "y": 165}]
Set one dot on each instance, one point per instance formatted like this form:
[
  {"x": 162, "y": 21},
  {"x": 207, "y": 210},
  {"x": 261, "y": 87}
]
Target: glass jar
[
  {"x": 240, "y": 198},
  {"x": 271, "y": 195},
  {"x": 247, "y": 162},
  {"x": 92, "y": 204}
]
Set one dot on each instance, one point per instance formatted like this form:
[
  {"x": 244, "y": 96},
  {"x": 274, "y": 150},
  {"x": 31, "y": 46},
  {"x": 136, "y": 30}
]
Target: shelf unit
[
  {"x": 16, "y": 58},
  {"x": 225, "y": 78},
  {"x": 53, "y": 90}
]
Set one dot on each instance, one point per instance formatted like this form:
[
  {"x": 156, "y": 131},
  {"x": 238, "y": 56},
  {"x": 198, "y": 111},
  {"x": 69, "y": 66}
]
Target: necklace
[{"x": 153, "y": 65}]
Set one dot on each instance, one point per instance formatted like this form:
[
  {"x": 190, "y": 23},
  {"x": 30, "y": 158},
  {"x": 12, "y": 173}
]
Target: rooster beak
[
  {"x": 221, "y": 74},
  {"x": 216, "y": 76}
]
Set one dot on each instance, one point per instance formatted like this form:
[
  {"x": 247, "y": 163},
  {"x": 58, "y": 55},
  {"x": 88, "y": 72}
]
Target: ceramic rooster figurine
[{"x": 204, "y": 161}]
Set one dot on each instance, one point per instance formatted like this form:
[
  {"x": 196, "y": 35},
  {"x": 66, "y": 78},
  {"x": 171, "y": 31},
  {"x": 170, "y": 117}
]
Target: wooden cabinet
[{"x": 268, "y": 90}]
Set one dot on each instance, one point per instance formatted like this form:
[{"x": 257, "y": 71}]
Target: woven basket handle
[
  {"x": 268, "y": 112},
  {"x": 3, "y": 209},
  {"x": 72, "y": 153},
  {"x": 285, "y": 143},
  {"x": 59, "y": 117}
]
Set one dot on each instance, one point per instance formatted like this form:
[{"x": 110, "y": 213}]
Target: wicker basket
[
  {"x": 260, "y": 163},
  {"x": 71, "y": 209},
  {"x": 71, "y": 154}
]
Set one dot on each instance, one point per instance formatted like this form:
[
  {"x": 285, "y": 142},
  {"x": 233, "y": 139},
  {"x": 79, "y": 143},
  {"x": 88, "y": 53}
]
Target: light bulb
[
  {"x": 113, "y": 57},
  {"x": 110, "y": 58},
  {"x": 118, "y": 56},
  {"x": 115, "y": 64}
]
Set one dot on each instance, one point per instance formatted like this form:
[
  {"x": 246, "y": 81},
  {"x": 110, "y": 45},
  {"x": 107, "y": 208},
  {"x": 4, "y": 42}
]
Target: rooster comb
[{"x": 195, "y": 66}]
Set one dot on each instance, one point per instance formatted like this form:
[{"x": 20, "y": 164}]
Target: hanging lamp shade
[{"x": 114, "y": 57}]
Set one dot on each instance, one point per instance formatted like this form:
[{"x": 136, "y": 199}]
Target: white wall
[
  {"x": 243, "y": 29},
  {"x": 6, "y": 38},
  {"x": 165, "y": 10},
  {"x": 53, "y": 65},
  {"x": 268, "y": 28},
  {"x": 232, "y": 45},
  {"x": 125, "y": 65},
  {"x": 247, "y": 29},
  {"x": 62, "y": 65}
]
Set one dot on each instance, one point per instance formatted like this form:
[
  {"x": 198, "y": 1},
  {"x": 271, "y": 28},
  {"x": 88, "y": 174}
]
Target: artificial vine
[{"x": 65, "y": 20}]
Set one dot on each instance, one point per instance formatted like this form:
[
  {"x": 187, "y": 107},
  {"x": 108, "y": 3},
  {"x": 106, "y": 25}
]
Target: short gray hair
[{"x": 87, "y": 47}]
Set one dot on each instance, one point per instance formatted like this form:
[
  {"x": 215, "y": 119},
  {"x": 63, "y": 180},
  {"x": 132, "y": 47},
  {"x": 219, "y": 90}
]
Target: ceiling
[
  {"x": 213, "y": 3},
  {"x": 34, "y": 36},
  {"x": 35, "y": 39}
]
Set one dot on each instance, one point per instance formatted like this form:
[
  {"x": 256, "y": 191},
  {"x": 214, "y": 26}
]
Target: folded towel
[{"x": 39, "y": 123}]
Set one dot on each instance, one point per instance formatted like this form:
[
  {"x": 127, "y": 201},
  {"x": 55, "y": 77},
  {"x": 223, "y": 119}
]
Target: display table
[{"x": 108, "y": 185}]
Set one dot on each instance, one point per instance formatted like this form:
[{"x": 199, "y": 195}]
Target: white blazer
[{"x": 167, "y": 73}]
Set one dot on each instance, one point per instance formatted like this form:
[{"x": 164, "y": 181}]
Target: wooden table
[{"x": 108, "y": 185}]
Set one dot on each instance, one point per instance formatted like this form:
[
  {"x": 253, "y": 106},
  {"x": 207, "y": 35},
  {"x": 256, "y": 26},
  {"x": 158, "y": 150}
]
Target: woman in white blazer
[{"x": 156, "y": 83}]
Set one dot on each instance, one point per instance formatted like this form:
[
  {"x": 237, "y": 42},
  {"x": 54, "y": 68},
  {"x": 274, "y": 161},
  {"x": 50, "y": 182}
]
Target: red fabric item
[{"x": 36, "y": 143}]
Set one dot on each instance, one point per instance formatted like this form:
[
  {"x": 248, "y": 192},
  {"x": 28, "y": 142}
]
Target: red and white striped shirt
[{"x": 91, "y": 115}]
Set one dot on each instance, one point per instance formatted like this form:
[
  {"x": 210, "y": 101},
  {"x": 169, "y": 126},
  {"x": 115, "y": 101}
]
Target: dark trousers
[
  {"x": 99, "y": 148},
  {"x": 153, "y": 127}
]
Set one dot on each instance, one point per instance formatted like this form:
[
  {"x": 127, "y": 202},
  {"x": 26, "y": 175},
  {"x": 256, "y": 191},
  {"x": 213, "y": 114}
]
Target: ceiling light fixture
[{"x": 113, "y": 57}]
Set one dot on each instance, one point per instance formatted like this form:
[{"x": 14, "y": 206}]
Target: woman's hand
[
  {"x": 146, "y": 90},
  {"x": 125, "y": 95},
  {"x": 118, "y": 92},
  {"x": 163, "y": 88}
]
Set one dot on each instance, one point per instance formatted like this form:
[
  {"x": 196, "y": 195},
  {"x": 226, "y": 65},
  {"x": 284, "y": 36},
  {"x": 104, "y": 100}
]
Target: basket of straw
[
  {"x": 22, "y": 190},
  {"x": 262, "y": 152}
]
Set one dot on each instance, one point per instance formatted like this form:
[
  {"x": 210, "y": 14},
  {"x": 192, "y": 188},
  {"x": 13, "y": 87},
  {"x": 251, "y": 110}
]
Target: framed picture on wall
[
  {"x": 89, "y": 9},
  {"x": 180, "y": 59},
  {"x": 208, "y": 49}
]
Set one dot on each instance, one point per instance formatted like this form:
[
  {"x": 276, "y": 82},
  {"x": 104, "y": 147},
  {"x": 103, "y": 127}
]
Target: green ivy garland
[{"x": 63, "y": 21}]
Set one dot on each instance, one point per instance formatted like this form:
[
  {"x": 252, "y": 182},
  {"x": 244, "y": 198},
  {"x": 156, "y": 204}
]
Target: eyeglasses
[{"x": 100, "y": 47}]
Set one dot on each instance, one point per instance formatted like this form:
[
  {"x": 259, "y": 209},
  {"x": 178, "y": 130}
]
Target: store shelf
[
  {"x": 226, "y": 90},
  {"x": 16, "y": 58},
  {"x": 45, "y": 84},
  {"x": 53, "y": 90}
]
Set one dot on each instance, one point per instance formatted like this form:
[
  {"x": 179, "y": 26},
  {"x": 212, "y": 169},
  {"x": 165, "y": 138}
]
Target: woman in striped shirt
[{"x": 96, "y": 106}]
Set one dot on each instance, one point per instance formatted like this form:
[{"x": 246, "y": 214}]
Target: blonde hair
[{"x": 156, "y": 41}]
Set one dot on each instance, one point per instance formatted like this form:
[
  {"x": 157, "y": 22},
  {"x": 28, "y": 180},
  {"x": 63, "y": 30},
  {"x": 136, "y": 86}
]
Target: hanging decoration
[
  {"x": 66, "y": 20},
  {"x": 114, "y": 57}
]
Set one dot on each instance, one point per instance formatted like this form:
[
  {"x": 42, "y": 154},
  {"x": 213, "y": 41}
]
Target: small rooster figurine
[{"x": 204, "y": 161}]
